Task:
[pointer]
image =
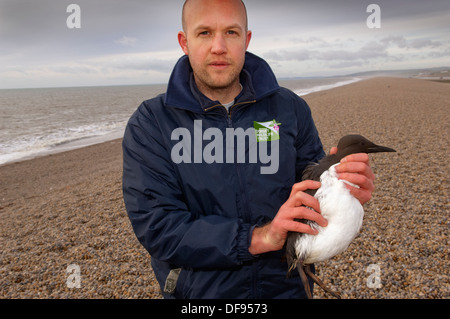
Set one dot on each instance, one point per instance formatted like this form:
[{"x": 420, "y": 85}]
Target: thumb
[{"x": 333, "y": 150}]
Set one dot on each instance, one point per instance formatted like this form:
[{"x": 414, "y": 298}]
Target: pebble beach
[{"x": 67, "y": 209}]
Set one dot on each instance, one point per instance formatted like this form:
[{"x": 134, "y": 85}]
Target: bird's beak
[{"x": 380, "y": 149}]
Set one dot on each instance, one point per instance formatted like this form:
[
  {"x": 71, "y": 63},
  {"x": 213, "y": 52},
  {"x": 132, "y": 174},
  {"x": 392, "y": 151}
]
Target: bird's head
[{"x": 352, "y": 144}]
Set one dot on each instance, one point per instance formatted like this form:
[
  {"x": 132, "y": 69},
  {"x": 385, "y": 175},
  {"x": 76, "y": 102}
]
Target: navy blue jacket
[{"x": 199, "y": 215}]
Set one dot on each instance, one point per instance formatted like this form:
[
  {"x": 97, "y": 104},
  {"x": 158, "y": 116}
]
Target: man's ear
[
  {"x": 182, "y": 40},
  {"x": 249, "y": 37}
]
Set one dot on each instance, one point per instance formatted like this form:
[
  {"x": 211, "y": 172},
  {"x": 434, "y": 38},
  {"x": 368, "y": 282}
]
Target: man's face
[{"x": 215, "y": 39}]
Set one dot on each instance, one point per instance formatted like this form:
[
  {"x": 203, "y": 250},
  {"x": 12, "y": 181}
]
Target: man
[{"x": 213, "y": 220}]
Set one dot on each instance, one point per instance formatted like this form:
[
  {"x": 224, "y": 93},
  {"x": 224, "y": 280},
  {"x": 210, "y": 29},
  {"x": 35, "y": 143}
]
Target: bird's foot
[
  {"x": 304, "y": 278},
  {"x": 316, "y": 279}
]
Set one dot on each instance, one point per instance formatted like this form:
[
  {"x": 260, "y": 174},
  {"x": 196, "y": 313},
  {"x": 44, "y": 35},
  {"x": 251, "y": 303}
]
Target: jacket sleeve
[
  {"x": 308, "y": 145},
  {"x": 159, "y": 214}
]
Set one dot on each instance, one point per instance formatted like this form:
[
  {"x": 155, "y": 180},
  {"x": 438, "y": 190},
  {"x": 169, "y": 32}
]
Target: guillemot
[{"x": 342, "y": 210}]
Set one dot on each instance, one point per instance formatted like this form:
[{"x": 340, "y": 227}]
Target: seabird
[{"x": 342, "y": 210}]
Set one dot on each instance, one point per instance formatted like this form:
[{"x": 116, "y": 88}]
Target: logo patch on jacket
[{"x": 267, "y": 131}]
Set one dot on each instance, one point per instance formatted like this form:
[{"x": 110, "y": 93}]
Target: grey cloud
[
  {"x": 40, "y": 27},
  {"x": 289, "y": 55},
  {"x": 439, "y": 54},
  {"x": 310, "y": 40},
  {"x": 422, "y": 43},
  {"x": 65, "y": 69},
  {"x": 402, "y": 42},
  {"x": 127, "y": 41},
  {"x": 343, "y": 55},
  {"x": 149, "y": 64},
  {"x": 346, "y": 64},
  {"x": 369, "y": 51}
]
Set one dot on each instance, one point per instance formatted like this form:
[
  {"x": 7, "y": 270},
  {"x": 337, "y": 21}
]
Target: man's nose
[{"x": 219, "y": 45}]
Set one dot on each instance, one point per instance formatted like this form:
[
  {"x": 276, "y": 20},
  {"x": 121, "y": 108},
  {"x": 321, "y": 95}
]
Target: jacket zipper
[
  {"x": 240, "y": 103},
  {"x": 231, "y": 108},
  {"x": 247, "y": 215}
]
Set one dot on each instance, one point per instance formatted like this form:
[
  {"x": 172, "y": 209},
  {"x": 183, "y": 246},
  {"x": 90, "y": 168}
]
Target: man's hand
[
  {"x": 355, "y": 168},
  {"x": 272, "y": 236}
]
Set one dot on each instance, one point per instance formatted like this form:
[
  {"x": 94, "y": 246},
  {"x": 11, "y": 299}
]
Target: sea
[{"x": 41, "y": 121}]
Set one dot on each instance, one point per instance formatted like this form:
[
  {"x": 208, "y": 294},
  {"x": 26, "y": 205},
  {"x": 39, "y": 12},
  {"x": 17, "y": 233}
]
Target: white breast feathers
[{"x": 344, "y": 214}]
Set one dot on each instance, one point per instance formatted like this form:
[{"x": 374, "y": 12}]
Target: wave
[
  {"x": 323, "y": 87},
  {"x": 28, "y": 146}
]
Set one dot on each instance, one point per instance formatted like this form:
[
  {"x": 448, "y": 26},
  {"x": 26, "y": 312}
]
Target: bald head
[
  {"x": 215, "y": 38},
  {"x": 193, "y": 4}
]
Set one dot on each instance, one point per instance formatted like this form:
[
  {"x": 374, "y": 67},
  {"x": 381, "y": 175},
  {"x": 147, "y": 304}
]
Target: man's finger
[
  {"x": 302, "y": 228},
  {"x": 303, "y": 186},
  {"x": 355, "y": 167},
  {"x": 358, "y": 157},
  {"x": 306, "y": 213},
  {"x": 363, "y": 195},
  {"x": 358, "y": 179},
  {"x": 304, "y": 199}
]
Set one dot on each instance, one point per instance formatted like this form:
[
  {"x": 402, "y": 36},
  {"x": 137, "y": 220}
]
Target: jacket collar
[{"x": 257, "y": 80}]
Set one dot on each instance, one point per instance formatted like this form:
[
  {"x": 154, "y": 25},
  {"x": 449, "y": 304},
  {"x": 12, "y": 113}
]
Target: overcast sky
[{"x": 135, "y": 41}]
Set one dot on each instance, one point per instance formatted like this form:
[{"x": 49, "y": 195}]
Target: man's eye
[
  {"x": 231, "y": 32},
  {"x": 204, "y": 33}
]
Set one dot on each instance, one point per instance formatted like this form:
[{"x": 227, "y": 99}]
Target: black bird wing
[
  {"x": 311, "y": 172},
  {"x": 314, "y": 170}
]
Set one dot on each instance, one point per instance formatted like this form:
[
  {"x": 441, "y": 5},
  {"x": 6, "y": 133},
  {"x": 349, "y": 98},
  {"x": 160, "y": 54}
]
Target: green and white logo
[{"x": 267, "y": 131}]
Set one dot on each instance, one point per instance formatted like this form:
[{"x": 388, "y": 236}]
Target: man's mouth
[{"x": 219, "y": 65}]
